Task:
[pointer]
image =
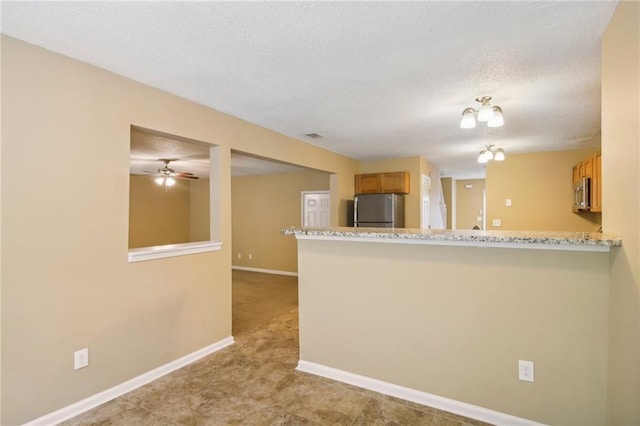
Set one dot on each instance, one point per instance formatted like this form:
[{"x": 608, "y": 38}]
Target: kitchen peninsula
[{"x": 442, "y": 318}]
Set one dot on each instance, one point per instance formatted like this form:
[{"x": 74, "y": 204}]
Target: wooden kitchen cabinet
[
  {"x": 382, "y": 183},
  {"x": 596, "y": 183},
  {"x": 583, "y": 169},
  {"x": 367, "y": 184},
  {"x": 591, "y": 168}
]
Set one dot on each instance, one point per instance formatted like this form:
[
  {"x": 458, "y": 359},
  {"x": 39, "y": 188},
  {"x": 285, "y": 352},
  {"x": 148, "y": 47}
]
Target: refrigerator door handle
[{"x": 355, "y": 211}]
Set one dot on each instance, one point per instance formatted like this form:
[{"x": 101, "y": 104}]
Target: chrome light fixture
[
  {"x": 491, "y": 153},
  {"x": 492, "y": 115}
]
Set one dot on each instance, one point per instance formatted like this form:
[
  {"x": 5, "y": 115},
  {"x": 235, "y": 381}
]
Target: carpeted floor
[
  {"x": 258, "y": 298},
  {"x": 254, "y": 382}
]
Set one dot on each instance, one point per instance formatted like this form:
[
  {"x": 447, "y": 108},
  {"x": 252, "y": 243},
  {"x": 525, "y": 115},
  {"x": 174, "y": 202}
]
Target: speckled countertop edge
[{"x": 504, "y": 237}]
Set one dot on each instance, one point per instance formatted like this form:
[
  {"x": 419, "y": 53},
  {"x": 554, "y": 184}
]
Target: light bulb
[
  {"x": 468, "y": 121},
  {"x": 482, "y": 158},
  {"x": 159, "y": 180},
  {"x": 499, "y": 155},
  {"x": 485, "y": 112},
  {"x": 496, "y": 120},
  {"x": 170, "y": 181},
  {"x": 488, "y": 153}
]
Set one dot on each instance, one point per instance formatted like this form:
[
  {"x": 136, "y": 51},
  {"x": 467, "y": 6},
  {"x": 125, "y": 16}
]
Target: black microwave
[{"x": 581, "y": 194}]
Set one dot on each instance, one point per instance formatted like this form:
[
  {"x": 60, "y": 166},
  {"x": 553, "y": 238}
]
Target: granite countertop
[{"x": 583, "y": 241}]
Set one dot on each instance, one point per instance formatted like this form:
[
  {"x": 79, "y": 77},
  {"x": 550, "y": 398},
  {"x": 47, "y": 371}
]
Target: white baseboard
[
  {"x": 93, "y": 401},
  {"x": 419, "y": 397},
  {"x": 265, "y": 271}
]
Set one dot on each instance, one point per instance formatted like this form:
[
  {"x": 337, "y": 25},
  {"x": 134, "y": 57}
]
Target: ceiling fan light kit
[
  {"x": 167, "y": 176},
  {"x": 492, "y": 115},
  {"x": 165, "y": 180}
]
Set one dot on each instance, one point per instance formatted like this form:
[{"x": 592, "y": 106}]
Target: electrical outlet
[
  {"x": 80, "y": 358},
  {"x": 239, "y": 256},
  {"x": 250, "y": 257},
  {"x": 525, "y": 370},
  {"x": 507, "y": 202},
  {"x": 496, "y": 222}
]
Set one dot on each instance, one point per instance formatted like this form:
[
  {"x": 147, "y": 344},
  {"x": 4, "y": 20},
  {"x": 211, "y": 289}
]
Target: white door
[
  {"x": 425, "y": 217},
  {"x": 316, "y": 208}
]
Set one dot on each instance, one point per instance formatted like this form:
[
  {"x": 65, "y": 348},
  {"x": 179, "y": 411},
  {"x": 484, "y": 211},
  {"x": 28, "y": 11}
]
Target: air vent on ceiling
[{"x": 314, "y": 135}]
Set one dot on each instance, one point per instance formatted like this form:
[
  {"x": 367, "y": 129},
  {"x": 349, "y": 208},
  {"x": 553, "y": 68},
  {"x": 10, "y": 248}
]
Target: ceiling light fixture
[
  {"x": 490, "y": 153},
  {"x": 492, "y": 115},
  {"x": 165, "y": 180}
]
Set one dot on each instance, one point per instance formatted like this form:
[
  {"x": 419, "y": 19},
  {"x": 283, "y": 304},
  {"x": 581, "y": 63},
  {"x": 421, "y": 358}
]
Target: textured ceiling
[
  {"x": 377, "y": 79},
  {"x": 148, "y": 148}
]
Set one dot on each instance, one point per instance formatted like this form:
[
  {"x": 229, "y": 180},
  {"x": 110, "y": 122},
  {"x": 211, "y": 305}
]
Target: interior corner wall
[
  {"x": 621, "y": 207},
  {"x": 65, "y": 239},
  {"x": 262, "y": 205},
  {"x": 412, "y": 165},
  {"x": 469, "y": 203},
  {"x": 540, "y": 188}
]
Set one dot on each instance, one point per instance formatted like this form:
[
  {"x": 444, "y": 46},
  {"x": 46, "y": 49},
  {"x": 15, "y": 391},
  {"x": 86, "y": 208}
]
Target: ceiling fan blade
[{"x": 185, "y": 176}]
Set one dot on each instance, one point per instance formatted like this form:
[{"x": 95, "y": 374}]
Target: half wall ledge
[
  {"x": 172, "y": 250},
  {"x": 572, "y": 241}
]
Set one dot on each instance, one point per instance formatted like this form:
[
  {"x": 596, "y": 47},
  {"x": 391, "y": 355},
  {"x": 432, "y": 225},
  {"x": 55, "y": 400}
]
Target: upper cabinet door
[
  {"x": 395, "y": 183},
  {"x": 367, "y": 184},
  {"x": 382, "y": 183}
]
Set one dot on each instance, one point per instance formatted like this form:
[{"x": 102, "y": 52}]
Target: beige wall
[
  {"x": 179, "y": 214},
  {"x": 454, "y": 321},
  {"x": 539, "y": 186},
  {"x": 199, "y": 210},
  {"x": 158, "y": 216},
  {"x": 66, "y": 282},
  {"x": 621, "y": 207},
  {"x": 469, "y": 203},
  {"x": 447, "y": 189},
  {"x": 262, "y": 205}
]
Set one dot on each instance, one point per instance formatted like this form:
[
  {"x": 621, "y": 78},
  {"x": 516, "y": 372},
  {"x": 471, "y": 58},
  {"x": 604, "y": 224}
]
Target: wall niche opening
[{"x": 170, "y": 189}]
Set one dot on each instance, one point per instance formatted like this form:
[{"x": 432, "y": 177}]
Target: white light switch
[
  {"x": 507, "y": 202},
  {"x": 496, "y": 222}
]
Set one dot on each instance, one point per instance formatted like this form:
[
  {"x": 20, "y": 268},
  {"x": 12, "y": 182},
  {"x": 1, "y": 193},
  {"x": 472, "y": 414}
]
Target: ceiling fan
[{"x": 167, "y": 176}]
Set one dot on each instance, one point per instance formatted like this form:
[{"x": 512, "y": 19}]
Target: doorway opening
[{"x": 266, "y": 197}]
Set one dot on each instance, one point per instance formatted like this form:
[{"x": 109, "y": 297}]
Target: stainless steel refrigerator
[{"x": 378, "y": 211}]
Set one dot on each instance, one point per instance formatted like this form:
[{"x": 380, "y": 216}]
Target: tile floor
[{"x": 254, "y": 382}]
